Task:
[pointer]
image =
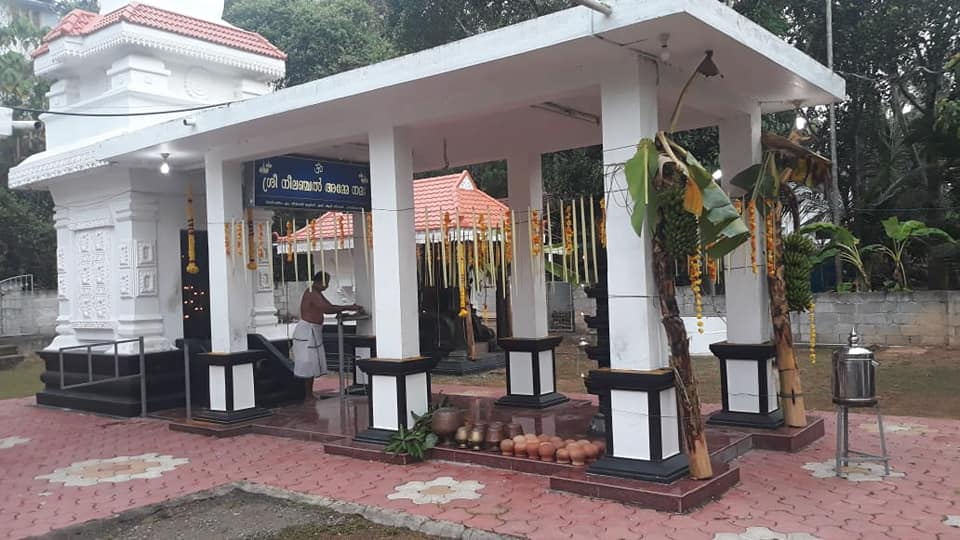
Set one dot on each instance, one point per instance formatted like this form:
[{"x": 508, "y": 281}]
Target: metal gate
[
  {"x": 16, "y": 306},
  {"x": 560, "y": 306}
]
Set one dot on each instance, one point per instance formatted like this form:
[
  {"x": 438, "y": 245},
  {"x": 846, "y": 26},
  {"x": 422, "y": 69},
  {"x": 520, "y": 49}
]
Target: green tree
[
  {"x": 27, "y": 236},
  {"x": 320, "y": 37}
]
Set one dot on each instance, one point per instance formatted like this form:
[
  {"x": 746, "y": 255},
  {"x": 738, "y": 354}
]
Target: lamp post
[{"x": 834, "y": 196}]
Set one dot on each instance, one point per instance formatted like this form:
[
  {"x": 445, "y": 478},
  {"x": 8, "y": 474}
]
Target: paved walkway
[{"x": 59, "y": 468}]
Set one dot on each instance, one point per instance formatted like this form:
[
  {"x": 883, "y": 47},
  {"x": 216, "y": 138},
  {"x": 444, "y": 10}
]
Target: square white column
[
  {"x": 629, "y": 106},
  {"x": 748, "y": 303},
  {"x": 528, "y": 288},
  {"x": 394, "y": 269},
  {"x": 230, "y": 296}
]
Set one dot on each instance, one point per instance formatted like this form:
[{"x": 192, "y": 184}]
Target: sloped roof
[
  {"x": 450, "y": 193},
  {"x": 81, "y": 23}
]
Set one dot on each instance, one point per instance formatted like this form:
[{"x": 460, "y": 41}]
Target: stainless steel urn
[{"x": 854, "y": 372}]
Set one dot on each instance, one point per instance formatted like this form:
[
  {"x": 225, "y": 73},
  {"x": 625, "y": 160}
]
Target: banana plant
[
  {"x": 901, "y": 235},
  {"x": 845, "y": 245},
  {"x": 661, "y": 164}
]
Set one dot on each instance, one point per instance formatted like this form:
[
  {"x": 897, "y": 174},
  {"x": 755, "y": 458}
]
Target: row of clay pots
[{"x": 551, "y": 449}]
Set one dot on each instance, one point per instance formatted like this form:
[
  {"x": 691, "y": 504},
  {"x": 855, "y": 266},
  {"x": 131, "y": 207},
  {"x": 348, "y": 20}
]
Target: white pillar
[
  {"x": 394, "y": 268},
  {"x": 230, "y": 299},
  {"x": 362, "y": 285},
  {"x": 629, "y": 106},
  {"x": 748, "y": 372},
  {"x": 138, "y": 307},
  {"x": 748, "y": 303},
  {"x": 399, "y": 377},
  {"x": 528, "y": 288},
  {"x": 638, "y": 397},
  {"x": 66, "y": 336},
  {"x": 264, "y": 313}
]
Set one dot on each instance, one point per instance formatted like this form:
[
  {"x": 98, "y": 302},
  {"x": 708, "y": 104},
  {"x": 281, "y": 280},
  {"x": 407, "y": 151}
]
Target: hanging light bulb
[
  {"x": 800, "y": 122},
  {"x": 664, "y": 47},
  {"x": 164, "y": 166},
  {"x": 717, "y": 174}
]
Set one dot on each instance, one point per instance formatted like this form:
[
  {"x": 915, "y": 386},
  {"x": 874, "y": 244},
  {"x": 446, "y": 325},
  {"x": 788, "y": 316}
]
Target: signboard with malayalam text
[{"x": 305, "y": 183}]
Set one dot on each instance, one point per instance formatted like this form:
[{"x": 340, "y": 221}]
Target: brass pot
[
  {"x": 476, "y": 438},
  {"x": 462, "y": 436},
  {"x": 445, "y": 423},
  {"x": 494, "y": 436},
  {"x": 513, "y": 430}
]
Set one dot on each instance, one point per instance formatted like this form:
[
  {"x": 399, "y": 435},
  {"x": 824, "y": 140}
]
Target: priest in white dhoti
[{"x": 309, "y": 358}]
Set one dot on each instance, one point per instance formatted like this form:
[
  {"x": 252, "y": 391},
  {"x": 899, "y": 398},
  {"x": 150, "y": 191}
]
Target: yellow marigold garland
[
  {"x": 226, "y": 239},
  {"x": 462, "y": 279},
  {"x": 290, "y": 241},
  {"x": 238, "y": 229},
  {"x": 251, "y": 262},
  {"x": 771, "y": 239},
  {"x": 340, "y": 227},
  {"x": 602, "y": 225},
  {"x": 192, "y": 267},
  {"x": 535, "y": 232},
  {"x": 752, "y": 222},
  {"x": 370, "y": 230},
  {"x": 261, "y": 248},
  {"x": 508, "y": 236},
  {"x": 812, "y": 313},
  {"x": 696, "y": 282}
]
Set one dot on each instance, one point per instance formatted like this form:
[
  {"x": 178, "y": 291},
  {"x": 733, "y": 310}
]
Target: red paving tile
[{"x": 774, "y": 491}]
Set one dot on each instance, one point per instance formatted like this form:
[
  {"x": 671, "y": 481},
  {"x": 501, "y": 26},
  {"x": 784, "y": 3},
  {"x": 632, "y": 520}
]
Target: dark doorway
[{"x": 196, "y": 288}]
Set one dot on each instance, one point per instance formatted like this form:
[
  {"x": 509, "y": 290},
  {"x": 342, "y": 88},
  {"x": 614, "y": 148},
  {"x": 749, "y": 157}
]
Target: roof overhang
[{"x": 473, "y": 100}]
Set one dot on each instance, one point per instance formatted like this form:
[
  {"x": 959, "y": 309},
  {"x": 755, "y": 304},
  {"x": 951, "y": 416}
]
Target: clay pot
[
  {"x": 568, "y": 442},
  {"x": 563, "y": 456},
  {"x": 591, "y": 452},
  {"x": 547, "y": 452},
  {"x": 583, "y": 441},
  {"x": 601, "y": 446},
  {"x": 542, "y": 438},
  {"x": 506, "y": 447},
  {"x": 520, "y": 439},
  {"x": 576, "y": 455},
  {"x": 533, "y": 449},
  {"x": 513, "y": 430},
  {"x": 476, "y": 437},
  {"x": 462, "y": 436},
  {"x": 557, "y": 442},
  {"x": 529, "y": 437},
  {"x": 445, "y": 422}
]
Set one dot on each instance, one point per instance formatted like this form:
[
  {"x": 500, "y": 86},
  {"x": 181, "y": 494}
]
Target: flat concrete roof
[{"x": 476, "y": 99}]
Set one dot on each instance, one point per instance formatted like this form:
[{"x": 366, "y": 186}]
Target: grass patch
[
  {"x": 23, "y": 380},
  {"x": 910, "y": 381}
]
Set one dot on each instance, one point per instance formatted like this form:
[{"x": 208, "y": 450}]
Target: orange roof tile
[
  {"x": 437, "y": 195},
  {"x": 81, "y": 23}
]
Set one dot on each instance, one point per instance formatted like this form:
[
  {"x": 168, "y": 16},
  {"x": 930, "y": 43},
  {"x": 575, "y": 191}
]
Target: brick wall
[{"x": 928, "y": 318}]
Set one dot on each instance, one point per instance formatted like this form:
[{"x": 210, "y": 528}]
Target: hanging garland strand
[
  {"x": 752, "y": 217},
  {"x": 226, "y": 239},
  {"x": 603, "y": 223},
  {"x": 261, "y": 248},
  {"x": 251, "y": 262},
  {"x": 289, "y": 241}
]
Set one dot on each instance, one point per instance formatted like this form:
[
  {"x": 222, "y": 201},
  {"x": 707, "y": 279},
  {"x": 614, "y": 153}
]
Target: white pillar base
[
  {"x": 750, "y": 385},
  {"x": 642, "y": 425},
  {"x": 531, "y": 373},
  {"x": 398, "y": 389},
  {"x": 231, "y": 387}
]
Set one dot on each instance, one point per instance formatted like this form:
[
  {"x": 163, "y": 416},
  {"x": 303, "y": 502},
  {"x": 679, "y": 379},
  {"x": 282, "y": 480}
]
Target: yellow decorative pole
[
  {"x": 444, "y": 235},
  {"x": 427, "y": 246},
  {"x": 476, "y": 255},
  {"x": 295, "y": 251},
  {"x": 576, "y": 245},
  {"x": 192, "y": 267},
  {"x": 550, "y": 241},
  {"x": 312, "y": 239},
  {"x": 565, "y": 227},
  {"x": 583, "y": 236},
  {"x": 503, "y": 256},
  {"x": 593, "y": 243}
]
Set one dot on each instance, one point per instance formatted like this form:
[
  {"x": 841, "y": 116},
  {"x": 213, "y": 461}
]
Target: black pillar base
[
  {"x": 541, "y": 394},
  {"x": 766, "y": 417},
  {"x": 398, "y": 370},
  {"x": 533, "y": 402},
  {"x": 375, "y": 436},
  {"x": 772, "y": 420},
  {"x": 230, "y": 417},
  {"x": 663, "y": 472}
]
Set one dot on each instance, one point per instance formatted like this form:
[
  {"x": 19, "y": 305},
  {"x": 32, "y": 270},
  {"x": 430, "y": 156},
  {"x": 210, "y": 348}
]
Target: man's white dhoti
[{"x": 309, "y": 358}]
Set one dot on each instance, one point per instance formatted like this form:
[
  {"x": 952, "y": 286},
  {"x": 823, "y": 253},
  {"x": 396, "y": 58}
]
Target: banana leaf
[
  {"x": 640, "y": 171},
  {"x": 721, "y": 227}
]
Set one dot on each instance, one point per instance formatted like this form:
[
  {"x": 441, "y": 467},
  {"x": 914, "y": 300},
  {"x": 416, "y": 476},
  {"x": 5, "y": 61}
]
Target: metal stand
[
  {"x": 341, "y": 317},
  {"x": 845, "y": 455}
]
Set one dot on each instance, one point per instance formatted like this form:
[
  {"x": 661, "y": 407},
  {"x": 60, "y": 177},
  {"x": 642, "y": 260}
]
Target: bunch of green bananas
[
  {"x": 797, "y": 267},
  {"x": 679, "y": 226}
]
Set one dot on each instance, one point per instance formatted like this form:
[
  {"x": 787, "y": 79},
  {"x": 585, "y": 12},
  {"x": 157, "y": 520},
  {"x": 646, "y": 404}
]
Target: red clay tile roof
[
  {"x": 82, "y": 23},
  {"x": 437, "y": 195}
]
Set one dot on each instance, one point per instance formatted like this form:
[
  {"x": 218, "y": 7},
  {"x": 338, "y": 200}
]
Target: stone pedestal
[
  {"x": 231, "y": 388},
  {"x": 749, "y": 383},
  {"x": 363, "y": 348},
  {"x": 531, "y": 373},
  {"x": 397, "y": 390},
  {"x": 642, "y": 425}
]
